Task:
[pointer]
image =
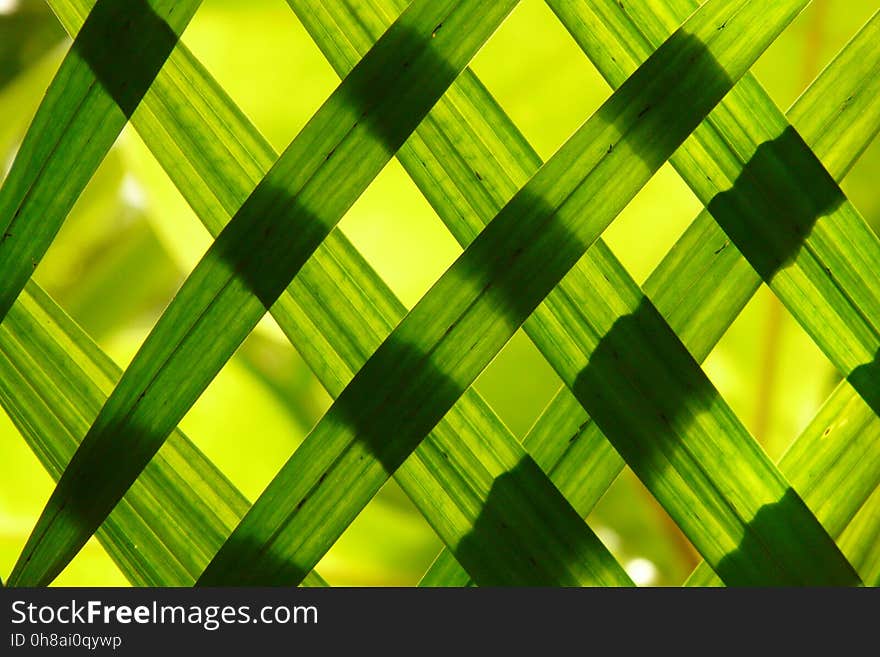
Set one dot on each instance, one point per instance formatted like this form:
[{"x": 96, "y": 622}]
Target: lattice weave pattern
[{"x": 510, "y": 513}]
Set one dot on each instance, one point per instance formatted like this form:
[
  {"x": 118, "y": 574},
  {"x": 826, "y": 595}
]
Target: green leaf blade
[
  {"x": 421, "y": 343},
  {"x": 228, "y": 292},
  {"x": 179, "y": 511},
  {"x": 816, "y": 258},
  {"x": 336, "y": 312},
  {"x": 85, "y": 109},
  {"x": 700, "y": 288}
]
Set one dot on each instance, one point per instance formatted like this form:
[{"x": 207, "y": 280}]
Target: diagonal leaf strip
[
  {"x": 700, "y": 288},
  {"x": 532, "y": 538},
  {"x": 835, "y": 466},
  {"x": 500, "y": 256},
  {"x": 861, "y": 540},
  {"x": 88, "y": 103},
  {"x": 176, "y": 515},
  {"x": 768, "y": 192},
  {"x": 310, "y": 12},
  {"x": 319, "y": 176},
  {"x": 838, "y": 313}
]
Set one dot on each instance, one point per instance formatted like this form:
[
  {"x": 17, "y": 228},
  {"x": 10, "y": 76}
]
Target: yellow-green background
[{"x": 131, "y": 239}]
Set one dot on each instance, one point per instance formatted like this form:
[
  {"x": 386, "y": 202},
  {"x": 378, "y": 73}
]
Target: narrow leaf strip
[
  {"x": 464, "y": 186},
  {"x": 112, "y": 63},
  {"x": 861, "y": 540},
  {"x": 299, "y": 201},
  {"x": 834, "y": 465},
  {"x": 444, "y": 342},
  {"x": 53, "y": 381},
  {"x": 857, "y": 122},
  {"x": 700, "y": 288},
  {"x": 773, "y": 198},
  {"x": 337, "y": 312}
]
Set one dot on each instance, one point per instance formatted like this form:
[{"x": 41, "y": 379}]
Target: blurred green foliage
[{"x": 131, "y": 239}]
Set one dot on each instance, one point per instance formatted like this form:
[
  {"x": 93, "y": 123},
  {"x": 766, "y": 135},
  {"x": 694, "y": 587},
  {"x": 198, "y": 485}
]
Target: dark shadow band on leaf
[
  {"x": 498, "y": 525},
  {"x": 400, "y": 394},
  {"x": 266, "y": 240},
  {"x": 638, "y": 379},
  {"x": 637, "y": 383},
  {"x": 762, "y": 531},
  {"x": 264, "y": 245},
  {"x": 775, "y": 202},
  {"x": 125, "y": 44}
]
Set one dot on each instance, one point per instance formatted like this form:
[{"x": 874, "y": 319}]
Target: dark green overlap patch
[
  {"x": 782, "y": 182},
  {"x": 641, "y": 364}
]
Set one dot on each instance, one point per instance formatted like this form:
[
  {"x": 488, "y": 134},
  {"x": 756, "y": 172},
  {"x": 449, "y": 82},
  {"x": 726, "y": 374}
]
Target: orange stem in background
[{"x": 773, "y": 337}]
